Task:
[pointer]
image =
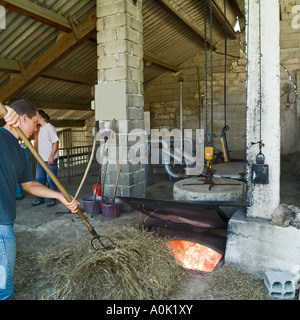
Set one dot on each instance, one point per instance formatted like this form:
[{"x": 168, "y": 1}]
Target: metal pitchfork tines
[
  {"x": 102, "y": 244},
  {"x": 60, "y": 187}
]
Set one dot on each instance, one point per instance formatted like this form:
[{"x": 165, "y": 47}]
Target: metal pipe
[
  {"x": 177, "y": 156},
  {"x": 180, "y": 79}
]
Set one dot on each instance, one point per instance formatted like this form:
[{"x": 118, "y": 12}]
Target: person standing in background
[{"x": 47, "y": 146}]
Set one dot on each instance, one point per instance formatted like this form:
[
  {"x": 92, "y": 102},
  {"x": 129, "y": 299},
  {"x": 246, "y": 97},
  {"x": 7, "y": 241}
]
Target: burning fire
[{"x": 194, "y": 256}]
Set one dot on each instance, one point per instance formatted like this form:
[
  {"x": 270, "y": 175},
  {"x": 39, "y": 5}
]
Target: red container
[{"x": 98, "y": 189}]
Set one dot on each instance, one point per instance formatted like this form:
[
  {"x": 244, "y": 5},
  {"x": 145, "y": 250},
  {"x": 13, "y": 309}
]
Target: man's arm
[
  {"x": 54, "y": 149},
  {"x": 39, "y": 190}
]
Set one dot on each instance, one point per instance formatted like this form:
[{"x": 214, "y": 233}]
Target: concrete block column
[
  {"x": 264, "y": 198},
  {"x": 119, "y": 93}
]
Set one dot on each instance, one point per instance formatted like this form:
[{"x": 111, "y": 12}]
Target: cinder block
[{"x": 280, "y": 284}]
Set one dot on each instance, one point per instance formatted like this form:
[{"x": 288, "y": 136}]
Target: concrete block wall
[{"x": 132, "y": 181}]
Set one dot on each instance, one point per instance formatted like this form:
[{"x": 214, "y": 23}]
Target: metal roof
[{"x": 174, "y": 31}]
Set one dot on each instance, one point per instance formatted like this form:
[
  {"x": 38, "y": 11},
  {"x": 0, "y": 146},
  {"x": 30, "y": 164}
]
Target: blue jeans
[
  {"x": 7, "y": 261},
  {"x": 42, "y": 177}
]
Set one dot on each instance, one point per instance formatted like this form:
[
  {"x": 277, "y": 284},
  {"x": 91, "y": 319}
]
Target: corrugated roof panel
[
  {"x": 77, "y": 9},
  {"x": 26, "y": 33},
  {"x": 168, "y": 38},
  {"x": 26, "y": 38},
  {"x": 56, "y": 114},
  {"x": 152, "y": 72},
  {"x": 82, "y": 60},
  {"x": 44, "y": 89}
]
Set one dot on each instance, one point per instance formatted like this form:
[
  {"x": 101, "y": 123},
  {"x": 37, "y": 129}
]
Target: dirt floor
[{"x": 42, "y": 229}]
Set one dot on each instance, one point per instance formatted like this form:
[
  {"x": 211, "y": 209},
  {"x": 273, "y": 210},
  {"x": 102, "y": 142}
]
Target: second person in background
[{"x": 47, "y": 146}]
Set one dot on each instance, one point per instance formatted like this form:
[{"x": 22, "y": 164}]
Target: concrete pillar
[
  {"x": 264, "y": 198},
  {"x": 119, "y": 92}
]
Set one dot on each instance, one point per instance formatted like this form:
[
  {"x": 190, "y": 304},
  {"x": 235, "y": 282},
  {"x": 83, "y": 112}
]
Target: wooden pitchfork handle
[{"x": 51, "y": 174}]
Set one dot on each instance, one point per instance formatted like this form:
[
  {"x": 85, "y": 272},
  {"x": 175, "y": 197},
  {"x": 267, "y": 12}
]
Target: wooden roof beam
[
  {"x": 9, "y": 65},
  {"x": 159, "y": 63},
  {"x": 61, "y": 105},
  {"x": 68, "y": 77},
  {"x": 167, "y": 5},
  {"x": 13, "y": 66},
  {"x": 66, "y": 42},
  {"x": 38, "y": 13},
  {"x": 68, "y": 123}
]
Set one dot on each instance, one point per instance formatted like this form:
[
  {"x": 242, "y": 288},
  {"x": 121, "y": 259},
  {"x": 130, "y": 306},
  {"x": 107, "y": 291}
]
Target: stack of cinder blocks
[{"x": 280, "y": 284}]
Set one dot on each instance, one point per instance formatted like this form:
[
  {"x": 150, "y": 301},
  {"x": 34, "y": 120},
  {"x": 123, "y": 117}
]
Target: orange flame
[{"x": 194, "y": 256}]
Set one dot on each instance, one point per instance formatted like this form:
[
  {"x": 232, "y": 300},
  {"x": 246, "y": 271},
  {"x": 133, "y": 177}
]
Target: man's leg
[
  {"x": 54, "y": 168},
  {"x": 7, "y": 261}
]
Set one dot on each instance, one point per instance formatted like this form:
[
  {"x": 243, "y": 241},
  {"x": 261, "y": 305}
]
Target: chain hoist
[
  {"x": 260, "y": 170},
  {"x": 209, "y": 147},
  {"x": 226, "y": 127}
]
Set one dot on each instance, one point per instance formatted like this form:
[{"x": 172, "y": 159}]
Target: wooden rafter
[
  {"x": 188, "y": 22},
  {"x": 68, "y": 77},
  {"x": 36, "y": 12},
  {"x": 61, "y": 105},
  {"x": 65, "y": 43},
  {"x": 68, "y": 123},
  {"x": 162, "y": 64},
  {"x": 13, "y": 66}
]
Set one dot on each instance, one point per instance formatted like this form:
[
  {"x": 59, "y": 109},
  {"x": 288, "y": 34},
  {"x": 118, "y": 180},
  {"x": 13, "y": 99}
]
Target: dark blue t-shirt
[{"x": 13, "y": 170}]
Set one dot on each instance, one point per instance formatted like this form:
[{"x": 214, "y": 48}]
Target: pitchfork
[{"x": 92, "y": 231}]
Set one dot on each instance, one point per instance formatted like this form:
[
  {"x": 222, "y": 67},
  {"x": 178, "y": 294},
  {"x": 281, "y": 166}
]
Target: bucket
[
  {"x": 88, "y": 203},
  {"x": 111, "y": 211}
]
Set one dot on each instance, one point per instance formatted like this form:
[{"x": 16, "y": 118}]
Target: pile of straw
[
  {"x": 230, "y": 283},
  {"x": 140, "y": 267}
]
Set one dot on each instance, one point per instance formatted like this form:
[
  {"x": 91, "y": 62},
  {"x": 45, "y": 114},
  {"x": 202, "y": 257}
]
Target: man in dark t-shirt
[{"x": 14, "y": 170}]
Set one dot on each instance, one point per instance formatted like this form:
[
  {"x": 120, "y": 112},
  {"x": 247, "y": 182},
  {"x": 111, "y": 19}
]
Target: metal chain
[
  {"x": 294, "y": 84},
  {"x": 205, "y": 62},
  {"x": 211, "y": 75},
  {"x": 260, "y": 83},
  {"x": 225, "y": 71}
]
